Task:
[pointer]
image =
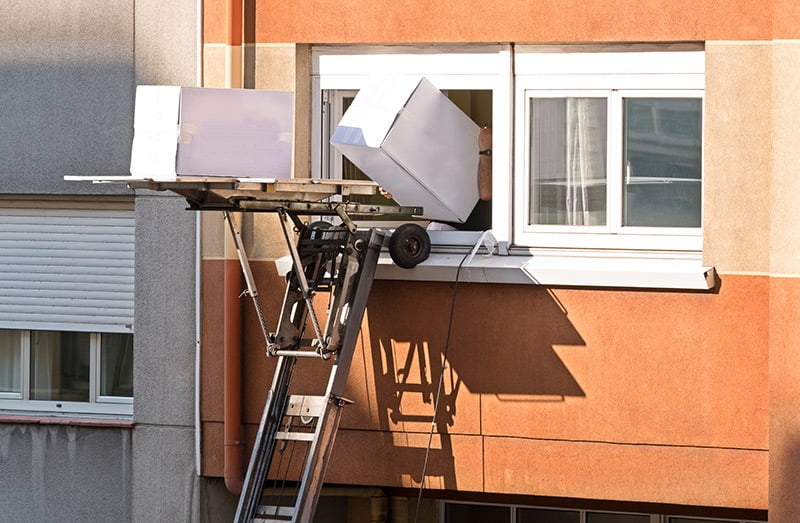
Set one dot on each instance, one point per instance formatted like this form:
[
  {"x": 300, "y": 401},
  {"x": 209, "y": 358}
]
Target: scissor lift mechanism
[{"x": 336, "y": 259}]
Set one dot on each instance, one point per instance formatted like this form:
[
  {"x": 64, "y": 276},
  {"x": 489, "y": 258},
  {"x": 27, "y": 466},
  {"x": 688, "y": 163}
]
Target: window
[
  {"x": 459, "y": 512},
  {"x": 476, "y": 79},
  {"x": 66, "y": 372},
  {"x": 543, "y": 515},
  {"x": 477, "y": 104},
  {"x": 66, "y": 306},
  {"x": 609, "y": 150},
  {"x": 605, "y": 182}
]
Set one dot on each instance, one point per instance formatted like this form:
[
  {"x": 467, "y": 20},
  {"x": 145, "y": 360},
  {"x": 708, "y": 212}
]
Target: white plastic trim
[
  {"x": 558, "y": 271},
  {"x": 551, "y": 270}
]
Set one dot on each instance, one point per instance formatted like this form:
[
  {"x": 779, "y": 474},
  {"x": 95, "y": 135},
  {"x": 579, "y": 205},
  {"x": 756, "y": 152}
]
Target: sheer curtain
[
  {"x": 10, "y": 360},
  {"x": 568, "y": 161},
  {"x": 586, "y": 161}
]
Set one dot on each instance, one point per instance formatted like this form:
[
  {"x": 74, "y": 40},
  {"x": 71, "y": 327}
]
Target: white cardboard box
[
  {"x": 196, "y": 131},
  {"x": 413, "y": 141}
]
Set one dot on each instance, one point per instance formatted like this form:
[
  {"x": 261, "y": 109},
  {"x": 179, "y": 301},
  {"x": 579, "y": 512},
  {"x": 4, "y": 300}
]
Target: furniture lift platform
[{"x": 337, "y": 260}]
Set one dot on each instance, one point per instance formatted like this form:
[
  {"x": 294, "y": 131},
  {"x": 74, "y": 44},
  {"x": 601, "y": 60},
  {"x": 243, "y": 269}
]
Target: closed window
[
  {"x": 609, "y": 150},
  {"x": 459, "y": 512},
  {"x": 66, "y": 306},
  {"x": 66, "y": 372}
]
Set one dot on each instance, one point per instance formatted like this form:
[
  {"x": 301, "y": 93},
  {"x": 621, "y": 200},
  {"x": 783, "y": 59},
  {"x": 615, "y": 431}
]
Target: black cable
[{"x": 439, "y": 388}]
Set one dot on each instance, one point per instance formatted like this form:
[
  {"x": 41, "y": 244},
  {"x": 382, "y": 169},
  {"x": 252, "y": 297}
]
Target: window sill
[
  {"x": 64, "y": 420},
  {"x": 587, "y": 269},
  {"x": 558, "y": 270}
]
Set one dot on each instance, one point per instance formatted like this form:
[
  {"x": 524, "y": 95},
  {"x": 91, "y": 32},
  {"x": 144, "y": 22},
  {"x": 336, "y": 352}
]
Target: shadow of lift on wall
[{"x": 504, "y": 350}]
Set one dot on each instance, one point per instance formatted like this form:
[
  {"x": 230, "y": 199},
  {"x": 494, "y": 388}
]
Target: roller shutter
[{"x": 66, "y": 266}]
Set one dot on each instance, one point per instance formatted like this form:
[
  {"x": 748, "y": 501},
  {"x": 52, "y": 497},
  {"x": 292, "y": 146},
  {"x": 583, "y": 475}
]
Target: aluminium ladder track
[{"x": 327, "y": 259}]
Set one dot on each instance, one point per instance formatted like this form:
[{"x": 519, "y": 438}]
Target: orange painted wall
[
  {"x": 557, "y": 392},
  {"x": 389, "y": 21},
  {"x": 784, "y": 399}
]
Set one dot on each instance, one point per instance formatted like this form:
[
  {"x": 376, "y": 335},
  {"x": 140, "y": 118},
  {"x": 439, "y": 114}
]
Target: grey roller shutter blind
[{"x": 66, "y": 266}]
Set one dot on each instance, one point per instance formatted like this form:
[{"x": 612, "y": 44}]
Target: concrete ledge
[{"x": 58, "y": 420}]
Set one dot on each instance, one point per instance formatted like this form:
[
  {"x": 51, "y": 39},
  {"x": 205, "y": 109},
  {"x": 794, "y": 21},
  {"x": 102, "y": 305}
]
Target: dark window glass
[
  {"x": 541, "y": 515},
  {"x": 662, "y": 164},
  {"x": 462, "y": 513},
  {"x": 116, "y": 364},
  {"x": 607, "y": 517}
]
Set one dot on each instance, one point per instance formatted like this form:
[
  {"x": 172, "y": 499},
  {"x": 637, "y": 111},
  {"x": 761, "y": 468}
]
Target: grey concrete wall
[
  {"x": 66, "y": 93},
  {"x": 164, "y": 363},
  {"x": 68, "y": 72},
  {"x": 165, "y": 486},
  {"x": 63, "y": 473}
]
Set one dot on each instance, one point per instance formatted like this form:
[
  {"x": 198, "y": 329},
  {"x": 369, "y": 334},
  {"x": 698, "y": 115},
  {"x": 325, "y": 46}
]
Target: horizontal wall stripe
[{"x": 386, "y": 21}]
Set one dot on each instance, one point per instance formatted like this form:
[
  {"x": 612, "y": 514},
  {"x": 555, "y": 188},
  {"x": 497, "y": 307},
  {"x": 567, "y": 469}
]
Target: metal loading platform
[{"x": 297, "y": 431}]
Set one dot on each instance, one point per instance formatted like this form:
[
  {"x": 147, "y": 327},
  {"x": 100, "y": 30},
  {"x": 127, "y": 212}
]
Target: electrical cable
[{"x": 439, "y": 387}]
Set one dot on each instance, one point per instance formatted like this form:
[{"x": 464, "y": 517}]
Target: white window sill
[
  {"x": 645, "y": 270},
  {"x": 584, "y": 271}
]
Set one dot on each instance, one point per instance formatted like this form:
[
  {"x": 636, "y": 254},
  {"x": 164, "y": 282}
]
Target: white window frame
[
  {"x": 475, "y": 67},
  {"x": 546, "y": 72},
  {"x": 670, "y": 259},
  {"x": 98, "y": 405}
]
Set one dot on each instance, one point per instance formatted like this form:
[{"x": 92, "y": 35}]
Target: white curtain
[
  {"x": 585, "y": 161},
  {"x": 568, "y": 161}
]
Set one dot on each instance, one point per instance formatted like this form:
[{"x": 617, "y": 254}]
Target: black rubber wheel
[{"x": 409, "y": 245}]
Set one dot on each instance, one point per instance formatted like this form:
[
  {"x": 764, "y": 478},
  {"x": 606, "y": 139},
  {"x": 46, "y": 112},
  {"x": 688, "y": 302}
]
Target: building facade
[
  {"x": 97, "y": 285},
  {"x": 641, "y": 362},
  {"x": 628, "y": 352}
]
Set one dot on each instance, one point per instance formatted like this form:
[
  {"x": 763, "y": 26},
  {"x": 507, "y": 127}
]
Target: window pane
[
  {"x": 540, "y": 515},
  {"x": 568, "y": 161},
  {"x": 696, "y": 520},
  {"x": 607, "y": 517},
  {"x": 116, "y": 365},
  {"x": 60, "y": 366},
  {"x": 462, "y": 513},
  {"x": 662, "y": 150},
  {"x": 10, "y": 356}
]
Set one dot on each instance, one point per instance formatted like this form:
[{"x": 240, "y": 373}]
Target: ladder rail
[
  {"x": 353, "y": 256},
  {"x": 322, "y": 447},
  {"x": 265, "y": 442}
]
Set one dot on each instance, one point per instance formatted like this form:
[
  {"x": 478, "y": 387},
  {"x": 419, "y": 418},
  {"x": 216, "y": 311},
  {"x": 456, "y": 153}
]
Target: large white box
[
  {"x": 412, "y": 140},
  {"x": 197, "y": 131}
]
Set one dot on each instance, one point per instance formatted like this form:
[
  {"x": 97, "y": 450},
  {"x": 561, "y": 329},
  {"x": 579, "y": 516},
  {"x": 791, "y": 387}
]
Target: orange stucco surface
[
  {"x": 617, "y": 382},
  {"x": 784, "y": 427},
  {"x": 389, "y": 21}
]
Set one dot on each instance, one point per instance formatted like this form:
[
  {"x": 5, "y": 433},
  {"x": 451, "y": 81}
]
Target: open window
[{"x": 467, "y": 76}]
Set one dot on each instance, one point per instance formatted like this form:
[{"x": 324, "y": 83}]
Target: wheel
[{"x": 409, "y": 245}]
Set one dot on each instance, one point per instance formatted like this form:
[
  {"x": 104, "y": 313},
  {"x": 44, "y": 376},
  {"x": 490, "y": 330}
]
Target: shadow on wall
[
  {"x": 784, "y": 503},
  {"x": 501, "y": 343}
]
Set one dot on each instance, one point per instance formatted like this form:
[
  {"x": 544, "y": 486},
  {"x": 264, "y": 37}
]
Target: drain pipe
[
  {"x": 232, "y": 370},
  {"x": 232, "y": 287}
]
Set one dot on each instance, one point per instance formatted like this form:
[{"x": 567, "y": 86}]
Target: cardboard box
[
  {"x": 196, "y": 131},
  {"x": 412, "y": 140}
]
